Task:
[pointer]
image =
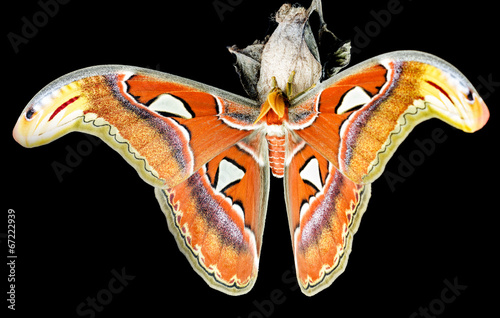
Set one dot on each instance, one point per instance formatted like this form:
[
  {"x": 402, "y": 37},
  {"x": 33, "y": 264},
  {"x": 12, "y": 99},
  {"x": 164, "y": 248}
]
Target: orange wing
[
  {"x": 358, "y": 118},
  {"x": 324, "y": 210},
  {"x": 166, "y": 127},
  {"x": 344, "y": 132},
  {"x": 217, "y": 216},
  {"x": 194, "y": 143}
]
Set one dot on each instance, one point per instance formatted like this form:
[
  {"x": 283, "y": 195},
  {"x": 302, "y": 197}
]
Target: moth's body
[
  {"x": 287, "y": 67},
  {"x": 275, "y": 130}
]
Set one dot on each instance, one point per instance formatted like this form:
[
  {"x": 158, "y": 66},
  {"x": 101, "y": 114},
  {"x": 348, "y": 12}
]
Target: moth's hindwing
[
  {"x": 217, "y": 216},
  {"x": 324, "y": 210},
  {"x": 194, "y": 143}
]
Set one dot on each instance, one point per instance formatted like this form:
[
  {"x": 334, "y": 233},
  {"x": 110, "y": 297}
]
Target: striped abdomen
[{"x": 276, "y": 154}]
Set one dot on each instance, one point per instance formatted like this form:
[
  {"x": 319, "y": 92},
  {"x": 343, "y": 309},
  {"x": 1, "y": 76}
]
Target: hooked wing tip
[
  {"x": 480, "y": 117},
  {"x": 19, "y": 132}
]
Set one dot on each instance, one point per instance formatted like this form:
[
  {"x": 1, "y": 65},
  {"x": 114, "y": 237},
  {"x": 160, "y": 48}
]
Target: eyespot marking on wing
[
  {"x": 169, "y": 105},
  {"x": 228, "y": 173},
  {"x": 310, "y": 173},
  {"x": 355, "y": 97}
]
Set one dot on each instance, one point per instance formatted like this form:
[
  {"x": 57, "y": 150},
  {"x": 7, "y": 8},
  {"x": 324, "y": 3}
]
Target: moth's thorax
[
  {"x": 275, "y": 130},
  {"x": 274, "y": 119}
]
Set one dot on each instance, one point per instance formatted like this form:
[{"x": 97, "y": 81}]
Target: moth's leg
[
  {"x": 274, "y": 83},
  {"x": 288, "y": 90},
  {"x": 303, "y": 92}
]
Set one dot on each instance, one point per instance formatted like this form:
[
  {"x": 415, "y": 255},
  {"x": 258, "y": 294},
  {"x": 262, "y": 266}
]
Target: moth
[{"x": 209, "y": 153}]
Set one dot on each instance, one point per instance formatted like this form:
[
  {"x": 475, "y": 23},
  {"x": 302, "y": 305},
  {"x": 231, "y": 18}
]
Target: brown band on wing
[
  {"x": 324, "y": 210},
  {"x": 162, "y": 142},
  {"x": 219, "y": 227},
  {"x": 368, "y": 130}
]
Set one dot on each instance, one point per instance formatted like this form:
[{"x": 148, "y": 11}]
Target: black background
[{"x": 438, "y": 225}]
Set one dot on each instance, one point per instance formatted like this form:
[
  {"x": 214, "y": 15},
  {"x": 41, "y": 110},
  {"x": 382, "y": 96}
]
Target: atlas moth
[{"x": 209, "y": 153}]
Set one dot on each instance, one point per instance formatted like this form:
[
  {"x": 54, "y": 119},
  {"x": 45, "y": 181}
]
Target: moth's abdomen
[{"x": 276, "y": 155}]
